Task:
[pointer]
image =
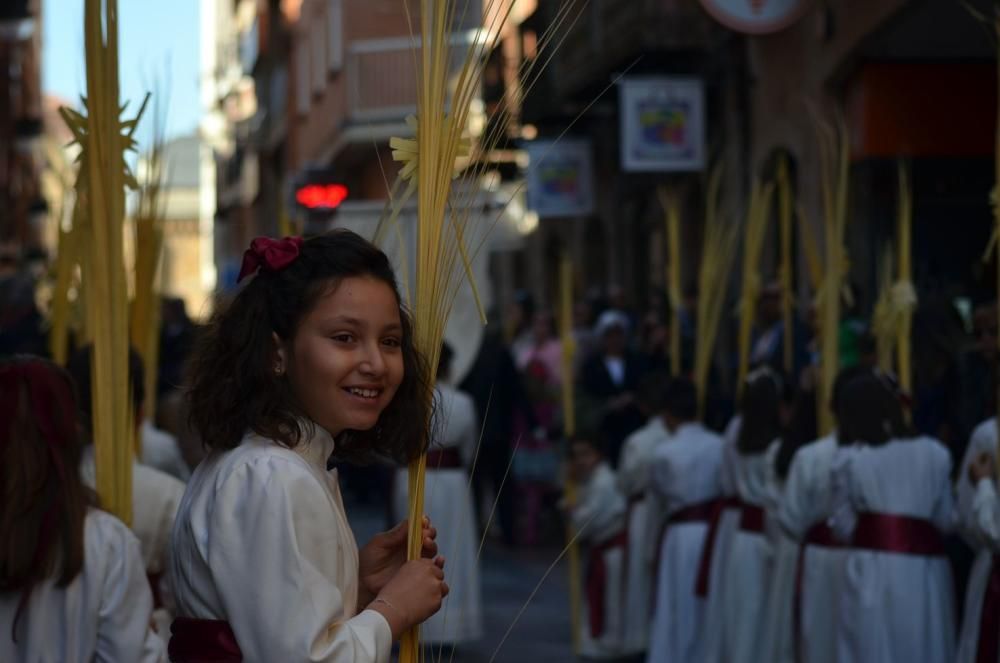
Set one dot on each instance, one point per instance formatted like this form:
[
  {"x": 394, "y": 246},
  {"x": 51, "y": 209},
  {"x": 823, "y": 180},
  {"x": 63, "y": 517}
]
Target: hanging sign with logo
[
  {"x": 662, "y": 124},
  {"x": 560, "y": 177},
  {"x": 756, "y": 17}
]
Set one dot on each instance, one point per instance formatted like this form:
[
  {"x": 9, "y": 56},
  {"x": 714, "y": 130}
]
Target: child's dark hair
[
  {"x": 589, "y": 437},
  {"x": 233, "y": 387},
  {"x": 45, "y": 502},
  {"x": 79, "y": 367},
  {"x": 760, "y": 409},
  {"x": 682, "y": 399},
  {"x": 652, "y": 392},
  {"x": 865, "y": 411}
]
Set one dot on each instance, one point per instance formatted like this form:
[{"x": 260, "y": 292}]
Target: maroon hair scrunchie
[{"x": 271, "y": 255}]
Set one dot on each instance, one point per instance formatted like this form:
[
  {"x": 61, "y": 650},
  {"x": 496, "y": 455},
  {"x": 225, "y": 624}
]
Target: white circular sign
[{"x": 756, "y": 17}]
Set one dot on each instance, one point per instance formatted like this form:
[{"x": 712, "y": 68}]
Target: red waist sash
[
  {"x": 203, "y": 641},
  {"x": 752, "y": 518},
  {"x": 886, "y": 532},
  {"x": 702, "y": 512},
  {"x": 708, "y": 550},
  {"x": 597, "y": 580},
  {"x": 988, "y": 649},
  {"x": 443, "y": 458}
]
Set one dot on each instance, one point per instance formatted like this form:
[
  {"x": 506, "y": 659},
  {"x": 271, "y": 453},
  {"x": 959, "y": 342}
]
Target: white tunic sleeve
[
  {"x": 273, "y": 553},
  {"x": 795, "y": 510},
  {"x": 124, "y": 632}
]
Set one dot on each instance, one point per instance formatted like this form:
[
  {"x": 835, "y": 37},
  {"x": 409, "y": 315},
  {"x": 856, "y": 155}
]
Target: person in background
[
  {"x": 498, "y": 392},
  {"x": 979, "y": 520},
  {"x": 979, "y": 367},
  {"x": 686, "y": 475},
  {"x": 72, "y": 584},
  {"x": 448, "y": 503},
  {"x": 156, "y": 495},
  {"x": 644, "y": 508},
  {"x": 891, "y": 505},
  {"x": 806, "y": 502},
  {"x": 608, "y": 380},
  {"x": 598, "y": 516},
  {"x": 543, "y": 347},
  {"x": 741, "y": 587},
  {"x": 20, "y": 320}
]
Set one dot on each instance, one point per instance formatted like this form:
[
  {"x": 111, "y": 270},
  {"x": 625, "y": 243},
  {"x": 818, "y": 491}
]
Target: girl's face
[{"x": 345, "y": 361}]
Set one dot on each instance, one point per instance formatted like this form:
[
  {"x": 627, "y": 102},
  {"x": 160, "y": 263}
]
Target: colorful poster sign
[
  {"x": 560, "y": 177},
  {"x": 662, "y": 124},
  {"x": 756, "y": 17}
]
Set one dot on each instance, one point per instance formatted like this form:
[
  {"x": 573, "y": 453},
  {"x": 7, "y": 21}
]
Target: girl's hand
[
  {"x": 385, "y": 554},
  {"x": 982, "y": 467},
  {"x": 413, "y": 595}
]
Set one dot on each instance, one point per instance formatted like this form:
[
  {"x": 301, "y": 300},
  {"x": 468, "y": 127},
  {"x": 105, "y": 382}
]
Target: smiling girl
[{"x": 312, "y": 360}]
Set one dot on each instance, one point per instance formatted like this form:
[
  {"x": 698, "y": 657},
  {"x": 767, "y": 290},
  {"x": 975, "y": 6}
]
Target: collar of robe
[{"x": 317, "y": 446}]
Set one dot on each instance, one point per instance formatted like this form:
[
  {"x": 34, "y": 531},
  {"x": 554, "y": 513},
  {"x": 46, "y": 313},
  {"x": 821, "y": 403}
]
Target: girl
[
  {"x": 803, "y": 513},
  {"x": 598, "y": 516},
  {"x": 72, "y": 584},
  {"x": 685, "y": 473},
  {"x": 313, "y": 359},
  {"x": 891, "y": 502},
  {"x": 449, "y": 501},
  {"x": 739, "y": 586},
  {"x": 979, "y": 509}
]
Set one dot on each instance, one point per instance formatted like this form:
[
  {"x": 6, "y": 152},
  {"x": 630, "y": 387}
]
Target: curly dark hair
[{"x": 233, "y": 388}]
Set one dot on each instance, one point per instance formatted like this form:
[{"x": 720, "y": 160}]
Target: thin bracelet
[{"x": 382, "y": 600}]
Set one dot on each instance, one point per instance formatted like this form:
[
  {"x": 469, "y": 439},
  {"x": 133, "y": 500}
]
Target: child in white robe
[
  {"x": 806, "y": 503},
  {"x": 686, "y": 475},
  {"x": 312, "y": 360},
  {"x": 155, "y": 494},
  {"x": 892, "y": 502},
  {"x": 598, "y": 516},
  {"x": 743, "y": 584},
  {"x": 73, "y": 589},
  {"x": 644, "y": 509},
  {"x": 448, "y": 502},
  {"x": 979, "y": 512}
]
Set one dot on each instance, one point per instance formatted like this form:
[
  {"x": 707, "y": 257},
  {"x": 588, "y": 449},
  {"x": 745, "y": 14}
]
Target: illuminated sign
[{"x": 321, "y": 196}]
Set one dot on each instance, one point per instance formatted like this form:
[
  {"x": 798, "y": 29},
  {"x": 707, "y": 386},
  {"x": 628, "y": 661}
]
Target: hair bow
[{"x": 273, "y": 255}]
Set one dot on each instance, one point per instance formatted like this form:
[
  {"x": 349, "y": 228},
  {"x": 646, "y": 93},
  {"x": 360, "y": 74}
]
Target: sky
[{"x": 153, "y": 34}]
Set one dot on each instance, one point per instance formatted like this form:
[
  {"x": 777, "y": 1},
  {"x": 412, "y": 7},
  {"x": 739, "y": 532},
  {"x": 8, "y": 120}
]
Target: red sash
[
  {"x": 819, "y": 534},
  {"x": 886, "y": 532},
  {"x": 443, "y": 458},
  {"x": 708, "y": 550},
  {"x": 702, "y": 512},
  {"x": 202, "y": 641},
  {"x": 752, "y": 518},
  {"x": 988, "y": 649},
  {"x": 597, "y": 580}
]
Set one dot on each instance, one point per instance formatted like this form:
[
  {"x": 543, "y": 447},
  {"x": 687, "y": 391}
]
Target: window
[
  {"x": 302, "y": 96},
  {"x": 335, "y": 34},
  {"x": 317, "y": 43}
]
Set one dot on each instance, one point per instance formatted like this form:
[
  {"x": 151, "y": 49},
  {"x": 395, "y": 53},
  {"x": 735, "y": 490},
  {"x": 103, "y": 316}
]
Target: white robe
[
  {"x": 806, "y": 501},
  {"x": 979, "y": 513},
  {"x": 155, "y": 498},
  {"x": 892, "y": 606},
  {"x": 643, "y": 522},
  {"x": 102, "y": 616},
  {"x": 685, "y": 471},
  {"x": 449, "y": 504},
  {"x": 262, "y": 541},
  {"x": 710, "y": 641},
  {"x": 161, "y": 451},
  {"x": 741, "y": 585},
  {"x": 599, "y": 514}
]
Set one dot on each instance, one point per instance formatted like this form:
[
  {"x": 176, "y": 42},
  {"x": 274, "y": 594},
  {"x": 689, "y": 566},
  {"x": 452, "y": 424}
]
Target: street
[{"x": 508, "y": 577}]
